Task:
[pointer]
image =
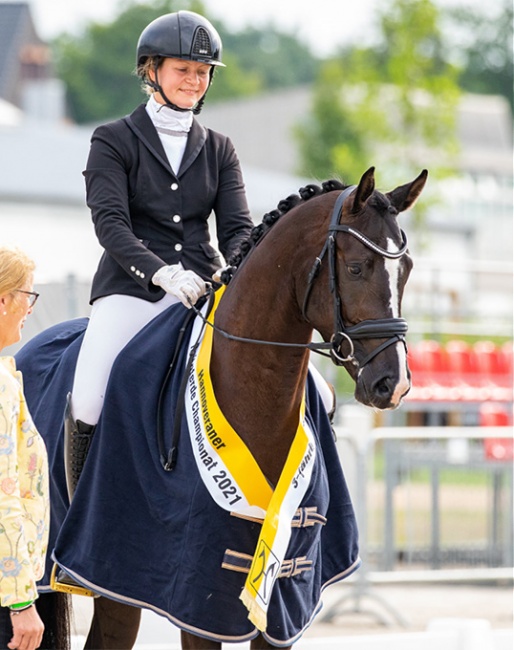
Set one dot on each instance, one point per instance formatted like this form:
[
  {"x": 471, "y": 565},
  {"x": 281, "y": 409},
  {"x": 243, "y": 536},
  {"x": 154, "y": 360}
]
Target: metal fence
[
  {"x": 433, "y": 504},
  {"x": 445, "y": 502},
  {"x": 459, "y": 297}
]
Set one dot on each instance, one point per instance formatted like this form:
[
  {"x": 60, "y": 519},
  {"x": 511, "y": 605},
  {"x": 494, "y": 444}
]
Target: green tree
[
  {"x": 97, "y": 67},
  {"x": 388, "y": 105},
  {"x": 278, "y": 59},
  {"x": 480, "y": 42}
]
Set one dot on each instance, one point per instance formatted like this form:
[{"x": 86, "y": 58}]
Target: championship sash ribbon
[{"x": 234, "y": 479}]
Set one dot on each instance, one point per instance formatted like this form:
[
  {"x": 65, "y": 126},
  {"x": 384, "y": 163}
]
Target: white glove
[{"x": 185, "y": 285}]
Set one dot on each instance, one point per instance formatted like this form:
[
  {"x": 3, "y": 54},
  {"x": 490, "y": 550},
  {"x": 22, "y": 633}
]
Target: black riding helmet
[{"x": 180, "y": 35}]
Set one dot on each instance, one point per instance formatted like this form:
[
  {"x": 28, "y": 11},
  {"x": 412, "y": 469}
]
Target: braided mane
[{"x": 270, "y": 218}]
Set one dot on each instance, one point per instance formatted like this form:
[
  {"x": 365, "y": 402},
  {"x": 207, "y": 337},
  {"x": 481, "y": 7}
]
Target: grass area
[
  {"x": 477, "y": 472},
  {"x": 465, "y": 514}
]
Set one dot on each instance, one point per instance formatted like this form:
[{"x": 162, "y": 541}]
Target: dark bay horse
[{"x": 333, "y": 260}]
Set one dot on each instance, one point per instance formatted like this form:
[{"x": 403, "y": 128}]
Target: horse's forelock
[
  {"x": 387, "y": 215},
  {"x": 380, "y": 202}
]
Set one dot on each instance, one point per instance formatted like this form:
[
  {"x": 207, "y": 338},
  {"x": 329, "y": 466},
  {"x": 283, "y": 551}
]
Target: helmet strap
[{"x": 158, "y": 88}]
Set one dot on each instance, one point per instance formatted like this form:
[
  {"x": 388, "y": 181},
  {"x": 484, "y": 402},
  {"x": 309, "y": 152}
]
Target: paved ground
[
  {"x": 411, "y": 607},
  {"x": 383, "y": 610}
]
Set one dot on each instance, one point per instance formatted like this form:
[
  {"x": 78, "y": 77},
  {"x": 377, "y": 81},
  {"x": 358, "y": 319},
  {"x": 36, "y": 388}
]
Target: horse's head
[
  {"x": 338, "y": 264},
  {"x": 366, "y": 264}
]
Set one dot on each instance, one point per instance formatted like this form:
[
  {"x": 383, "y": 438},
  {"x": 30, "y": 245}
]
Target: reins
[
  {"x": 168, "y": 457},
  {"x": 392, "y": 329},
  {"x": 315, "y": 347}
]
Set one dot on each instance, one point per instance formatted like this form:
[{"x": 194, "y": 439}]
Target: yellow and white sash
[{"x": 235, "y": 481}]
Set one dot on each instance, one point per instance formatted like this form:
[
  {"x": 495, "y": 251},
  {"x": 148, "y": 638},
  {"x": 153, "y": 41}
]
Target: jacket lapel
[
  {"x": 141, "y": 125},
  {"x": 195, "y": 141}
]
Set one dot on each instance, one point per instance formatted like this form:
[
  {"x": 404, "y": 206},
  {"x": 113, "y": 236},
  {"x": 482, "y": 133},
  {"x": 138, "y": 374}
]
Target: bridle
[{"x": 392, "y": 329}]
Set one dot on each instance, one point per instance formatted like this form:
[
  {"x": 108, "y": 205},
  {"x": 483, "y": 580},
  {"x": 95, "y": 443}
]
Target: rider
[{"x": 152, "y": 180}]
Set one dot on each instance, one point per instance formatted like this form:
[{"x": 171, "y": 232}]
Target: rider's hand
[
  {"x": 187, "y": 286},
  {"x": 28, "y": 630}
]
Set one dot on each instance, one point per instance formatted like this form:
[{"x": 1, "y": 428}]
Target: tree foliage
[
  {"x": 481, "y": 45},
  {"x": 278, "y": 59},
  {"x": 97, "y": 66},
  {"x": 385, "y": 105}
]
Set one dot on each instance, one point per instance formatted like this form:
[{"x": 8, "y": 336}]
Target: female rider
[{"x": 152, "y": 180}]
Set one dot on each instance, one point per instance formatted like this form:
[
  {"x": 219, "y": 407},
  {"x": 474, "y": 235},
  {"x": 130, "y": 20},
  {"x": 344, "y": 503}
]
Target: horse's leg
[
  {"x": 260, "y": 643},
  {"x": 192, "y": 642},
  {"x": 114, "y": 625}
]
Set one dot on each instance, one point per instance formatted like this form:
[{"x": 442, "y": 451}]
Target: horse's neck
[
  {"x": 260, "y": 395},
  {"x": 259, "y": 387}
]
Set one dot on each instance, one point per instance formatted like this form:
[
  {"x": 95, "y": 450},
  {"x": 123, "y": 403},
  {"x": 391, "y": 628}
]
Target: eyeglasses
[{"x": 33, "y": 296}]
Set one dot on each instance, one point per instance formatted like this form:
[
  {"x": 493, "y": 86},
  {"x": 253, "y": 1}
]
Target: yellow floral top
[{"x": 24, "y": 493}]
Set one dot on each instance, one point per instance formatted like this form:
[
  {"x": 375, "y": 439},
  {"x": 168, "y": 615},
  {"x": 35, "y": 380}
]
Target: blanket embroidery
[{"x": 235, "y": 481}]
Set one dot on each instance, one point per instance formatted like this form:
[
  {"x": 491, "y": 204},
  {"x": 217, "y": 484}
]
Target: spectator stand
[{"x": 460, "y": 384}]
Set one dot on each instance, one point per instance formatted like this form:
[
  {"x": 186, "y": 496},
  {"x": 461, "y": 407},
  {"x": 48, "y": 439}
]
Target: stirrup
[{"x": 71, "y": 587}]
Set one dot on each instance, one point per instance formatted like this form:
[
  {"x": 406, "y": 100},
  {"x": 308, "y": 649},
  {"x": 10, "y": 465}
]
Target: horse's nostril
[{"x": 383, "y": 387}]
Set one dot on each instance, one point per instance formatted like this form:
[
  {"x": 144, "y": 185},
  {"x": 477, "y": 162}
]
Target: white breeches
[{"x": 114, "y": 320}]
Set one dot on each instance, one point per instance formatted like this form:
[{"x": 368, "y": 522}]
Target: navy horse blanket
[{"x": 156, "y": 539}]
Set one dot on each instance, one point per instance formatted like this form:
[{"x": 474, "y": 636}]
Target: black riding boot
[{"x": 78, "y": 437}]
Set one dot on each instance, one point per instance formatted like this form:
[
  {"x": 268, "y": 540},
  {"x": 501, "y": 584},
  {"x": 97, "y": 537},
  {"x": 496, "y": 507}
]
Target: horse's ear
[
  {"x": 404, "y": 196},
  {"x": 364, "y": 190}
]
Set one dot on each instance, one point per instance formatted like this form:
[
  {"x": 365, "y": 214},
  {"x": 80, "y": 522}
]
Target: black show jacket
[{"x": 145, "y": 215}]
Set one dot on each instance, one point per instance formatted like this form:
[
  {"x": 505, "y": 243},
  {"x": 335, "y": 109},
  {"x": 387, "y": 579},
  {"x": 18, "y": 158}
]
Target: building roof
[
  {"x": 20, "y": 48},
  {"x": 45, "y": 160},
  {"x": 10, "y": 115},
  {"x": 262, "y": 129}
]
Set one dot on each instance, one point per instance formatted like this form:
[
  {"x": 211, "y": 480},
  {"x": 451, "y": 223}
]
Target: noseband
[{"x": 392, "y": 329}]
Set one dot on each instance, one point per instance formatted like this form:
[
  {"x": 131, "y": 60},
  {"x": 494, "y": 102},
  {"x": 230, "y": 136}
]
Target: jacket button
[
  {"x": 174, "y": 186},
  {"x": 178, "y": 247},
  {"x": 132, "y": 268},
  {"x": 176, "y": 218}
]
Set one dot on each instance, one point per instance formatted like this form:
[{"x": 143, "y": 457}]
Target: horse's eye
[{"x": 354, "y": 269}]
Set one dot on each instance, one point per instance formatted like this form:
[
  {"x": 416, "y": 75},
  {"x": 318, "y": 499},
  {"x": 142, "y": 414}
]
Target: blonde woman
[{"x": 24, "y": 481}]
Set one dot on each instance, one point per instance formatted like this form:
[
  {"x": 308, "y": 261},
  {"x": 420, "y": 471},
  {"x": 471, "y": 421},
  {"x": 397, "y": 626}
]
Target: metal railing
[
  {"x": 422, "y": 454},
  {"x": 459, "y": 298}
]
